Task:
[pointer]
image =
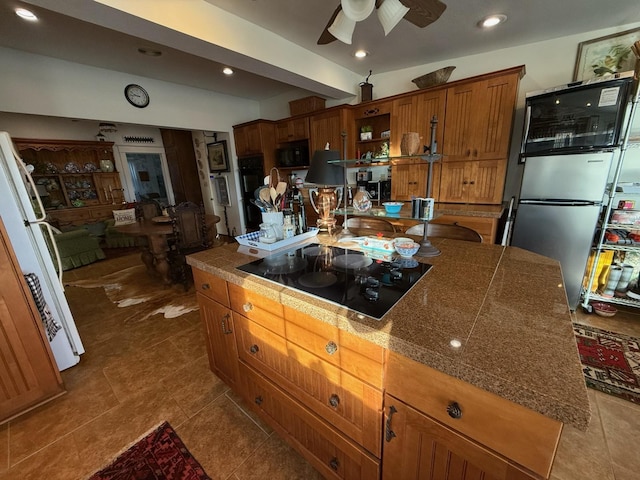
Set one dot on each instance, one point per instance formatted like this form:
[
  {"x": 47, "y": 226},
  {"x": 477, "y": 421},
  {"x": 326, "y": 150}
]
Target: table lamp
[{"x": 326, "y": 176}]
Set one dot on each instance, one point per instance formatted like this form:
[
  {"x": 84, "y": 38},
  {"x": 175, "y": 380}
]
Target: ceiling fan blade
[
  {"x": 423, "y": 12},
  {"x": 326, "y": 37}
]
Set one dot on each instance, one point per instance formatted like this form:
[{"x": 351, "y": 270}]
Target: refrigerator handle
[
  {"x": 525, "y": 130},
  {"x": 52, "y": 242},
  {"x": 42, "y": 215}
]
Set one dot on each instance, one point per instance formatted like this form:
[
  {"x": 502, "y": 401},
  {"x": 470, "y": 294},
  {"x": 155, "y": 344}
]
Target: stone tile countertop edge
[{"x": 515, "y": 328}]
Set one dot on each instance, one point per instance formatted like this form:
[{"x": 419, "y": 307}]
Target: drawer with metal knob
[
  {"x": 211, "y": 286},
  {"x": 260, "y": 309}
]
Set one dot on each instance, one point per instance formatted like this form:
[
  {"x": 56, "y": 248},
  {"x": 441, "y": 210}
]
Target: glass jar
[
  {"x": 267, "y": 233},
  {"x": 362, "y": 200}
]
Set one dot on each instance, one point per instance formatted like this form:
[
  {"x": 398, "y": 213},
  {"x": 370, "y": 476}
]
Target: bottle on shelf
[{"x": 362, "y": 200}]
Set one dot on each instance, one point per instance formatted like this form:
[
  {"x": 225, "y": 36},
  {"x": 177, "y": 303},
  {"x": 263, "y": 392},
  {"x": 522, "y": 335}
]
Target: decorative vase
[
  {"x": 106, "y": 166},
  {"x": 362, "y": 200},
  {"x": 410, "y": 144}
]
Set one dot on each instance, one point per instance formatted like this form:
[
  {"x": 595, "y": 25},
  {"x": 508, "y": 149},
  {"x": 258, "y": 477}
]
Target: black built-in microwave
[
  {"x": 293, "y": 156},
  {"x": 574, "y": 118}
]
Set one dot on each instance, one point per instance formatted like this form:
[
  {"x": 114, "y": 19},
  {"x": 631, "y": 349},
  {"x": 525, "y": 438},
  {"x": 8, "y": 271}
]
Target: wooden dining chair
[
  {"x": 443, "y": 230},
  {"x": 147, "y": 209},
  {"x": 189, "y": 236},
  {"x": 371, "y": 223}
]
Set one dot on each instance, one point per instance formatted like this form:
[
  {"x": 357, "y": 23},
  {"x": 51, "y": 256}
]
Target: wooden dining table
[{"x": 157, "y": 232}]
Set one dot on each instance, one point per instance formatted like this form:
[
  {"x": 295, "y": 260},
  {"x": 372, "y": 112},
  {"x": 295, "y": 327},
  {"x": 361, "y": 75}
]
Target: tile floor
[{"x": 137, "y": 374}]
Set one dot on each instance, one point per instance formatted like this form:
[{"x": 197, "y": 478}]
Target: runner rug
[
  {"x": 160, "y": 455},
  {"x": 610, "y": 361}
]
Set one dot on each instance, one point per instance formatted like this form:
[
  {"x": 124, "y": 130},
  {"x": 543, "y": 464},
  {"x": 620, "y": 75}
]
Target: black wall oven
[{"x": 251, "y": 177}]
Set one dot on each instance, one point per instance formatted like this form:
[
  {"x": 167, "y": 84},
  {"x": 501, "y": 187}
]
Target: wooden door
[
  {"x": 403, "y": 120},
  {"x": 494, "y": 117},
  {"x": 409, "y": 180},
  {"x": 429, "y": 105},
  {"x": 220, "y": 336},
  {"x": 326, "y": 128},
  {"x": 241, "y": 141},
  {"x": 416, "y": 446},
  {"x": 459, "y": 122},
  {"x": 28, "y": 372},
  {"x": 183, "y": 169},
  {"x": 486, "y": 181},
  {"x": 454, "y": 182}
]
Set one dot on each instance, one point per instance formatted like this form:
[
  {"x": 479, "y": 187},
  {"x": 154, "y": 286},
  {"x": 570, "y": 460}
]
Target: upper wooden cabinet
[
  {"x": 409, "y": 179},
  {"x": 254, "y": 137},
  {"x": 327, "y": 127},
  {"x": 413, "y": 114},
  {"x": 479, "y": 117},
  {"x": 292, "y": 130}
]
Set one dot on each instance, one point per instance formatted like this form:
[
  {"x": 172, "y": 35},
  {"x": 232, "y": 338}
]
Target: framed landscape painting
[
  {"x": 218, "y": 157},
  {"x": 606, "y": 55}
]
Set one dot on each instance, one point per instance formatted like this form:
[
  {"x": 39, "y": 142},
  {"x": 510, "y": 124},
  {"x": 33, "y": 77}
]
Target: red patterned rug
[
  {"x": 610, "y": 361},
  {"x": 160, "y": 455}
]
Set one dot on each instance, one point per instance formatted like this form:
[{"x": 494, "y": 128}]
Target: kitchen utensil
[
  {"x": 265, "y": 194},
  {"x": 275, "y": 177},
  {"x": 274, "y": 195},
  {"x": 281, "y": 188}
]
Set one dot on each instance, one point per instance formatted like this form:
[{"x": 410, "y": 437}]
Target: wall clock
[{"x": 136, "y": 95}]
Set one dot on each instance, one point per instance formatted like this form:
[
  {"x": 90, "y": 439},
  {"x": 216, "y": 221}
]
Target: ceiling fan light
[
  {"x": 342, "y": 28},
  {"x": 357, "y": 10},
  {"x": 390, "y": 13}
]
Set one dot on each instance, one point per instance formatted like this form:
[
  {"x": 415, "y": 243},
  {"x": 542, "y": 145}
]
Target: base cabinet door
[
  {"x": 221, "y": 344},
  {"x": 331, "y": 453},
  {"x": 409, "y": 180},
  {"x": 417, "y": 446},
  {"x": 479, "y": 182}
]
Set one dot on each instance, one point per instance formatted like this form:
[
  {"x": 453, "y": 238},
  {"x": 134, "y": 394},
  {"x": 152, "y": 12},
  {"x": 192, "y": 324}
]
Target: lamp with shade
[{"x": 326, "y": 176}]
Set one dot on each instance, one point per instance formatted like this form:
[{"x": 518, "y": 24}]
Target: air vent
[{"x": 129, "y": 139}]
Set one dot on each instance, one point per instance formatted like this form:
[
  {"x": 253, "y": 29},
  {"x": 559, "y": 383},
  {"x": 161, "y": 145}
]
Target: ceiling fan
[{"x": 343, "y": 21}]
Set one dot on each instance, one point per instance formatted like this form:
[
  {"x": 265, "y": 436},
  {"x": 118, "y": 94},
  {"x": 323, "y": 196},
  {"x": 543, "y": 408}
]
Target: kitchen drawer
[
  {"x": 211, "y": 286},
  {"x": 262, "y": 310},
  {"x": 354, "y": 407},
  {"x": 334, "y": 455},
  {"x": 485, "y": 226},
  {"x": 526, "y": 437},
  {"x": 360, "y": 358}
]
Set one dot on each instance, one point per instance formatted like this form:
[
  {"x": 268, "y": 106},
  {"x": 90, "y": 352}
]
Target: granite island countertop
[{"x": 505, "y": 306}]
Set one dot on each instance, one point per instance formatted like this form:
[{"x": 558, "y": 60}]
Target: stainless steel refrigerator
[{"x": 558, "y": 210}]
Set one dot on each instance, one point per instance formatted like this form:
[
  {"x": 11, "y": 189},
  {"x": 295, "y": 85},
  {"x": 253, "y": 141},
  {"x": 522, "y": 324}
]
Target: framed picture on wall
[
  {"x": 221, "y": 188},
  {"x": 218, "y": 156},
  {"x": 606, "y": 55}
]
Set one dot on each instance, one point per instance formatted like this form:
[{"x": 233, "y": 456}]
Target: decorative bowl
[
  {"x": 392, "y": 207},
  {"x": 604, "y": 309},
  {"x": 407, "y": 249},
  {"x": 434, "y": 78}
]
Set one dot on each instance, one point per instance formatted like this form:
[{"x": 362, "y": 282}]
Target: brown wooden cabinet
[
  {"x": 257, "y": 138},
  {"x": 70, "y": 179},
  {"x": 323, "y": 390},
  {"x": 409, "y": 179},
  {"x": 451, "y": 426},
  {"x": 292, "y": 130},
  {"x": 182, "y": 165},
  {"x": 479, "y": 117},
  {"x": 218, "y": 325},
  {"x": 479, "y": 182},
  {"x": 376, "y": 118},
  {"x": 327, "y": 127},
  {"x": 29, "y": 373}
]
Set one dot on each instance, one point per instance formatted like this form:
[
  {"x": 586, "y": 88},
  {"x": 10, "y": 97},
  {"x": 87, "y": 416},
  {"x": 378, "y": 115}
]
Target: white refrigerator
[
  {"x": 560, "y": 201},
  {"x": 26, "y": 233}
]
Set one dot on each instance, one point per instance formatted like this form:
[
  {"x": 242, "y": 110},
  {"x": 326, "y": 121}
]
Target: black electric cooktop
[{"x": 345, "y": 277}]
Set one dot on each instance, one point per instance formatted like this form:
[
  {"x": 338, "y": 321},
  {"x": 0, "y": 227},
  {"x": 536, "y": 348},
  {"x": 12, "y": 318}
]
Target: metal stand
[
  {"x": 426, "y": 248},
  {"x": 345, "y": 233}
]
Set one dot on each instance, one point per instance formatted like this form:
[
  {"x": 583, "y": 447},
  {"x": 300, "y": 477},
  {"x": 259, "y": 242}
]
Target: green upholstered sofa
[
  {"x": 115, "y": 239},
  {"x": 77, "y": 248}
]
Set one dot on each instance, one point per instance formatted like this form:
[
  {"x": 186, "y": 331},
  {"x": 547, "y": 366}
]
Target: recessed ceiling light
[
  {"x": 150, "y": 52},
  {"x": 492, "y": 21},
  {"x": 360, "y": 54},
  {"x": 26, "y": 14},
  {"x": 227, "y": 71}
]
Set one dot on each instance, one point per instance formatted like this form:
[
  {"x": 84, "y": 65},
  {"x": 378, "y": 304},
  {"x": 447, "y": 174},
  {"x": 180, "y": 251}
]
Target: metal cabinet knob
[
  {"x": 331, "y": 347},
  {"x": 205, "y": 286},
  {"x": 334, "y": 400},
  {"x": 254, "y": 349},
  {"x": 258, "y": 400},
  {"x": 454, "y": 410},
  {"x": 334, "y": 463},
  {"x": 247, "y": 307}
]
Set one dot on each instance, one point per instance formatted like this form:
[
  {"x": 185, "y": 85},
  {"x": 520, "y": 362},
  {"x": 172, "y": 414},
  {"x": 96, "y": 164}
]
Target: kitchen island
[{"x": 475, "y": 368}]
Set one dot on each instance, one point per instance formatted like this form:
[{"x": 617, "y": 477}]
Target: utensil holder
[{"x": 277, "y": 220}]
